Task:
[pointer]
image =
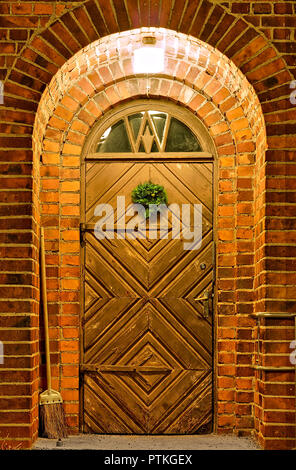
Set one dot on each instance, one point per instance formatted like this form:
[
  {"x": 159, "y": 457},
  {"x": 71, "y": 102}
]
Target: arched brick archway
[
  {"x": 204, "y": 81},
  {"x": 54, "y": 40}
]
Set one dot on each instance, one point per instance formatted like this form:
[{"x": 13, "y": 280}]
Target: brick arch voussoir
[
  {"x": 231, "y": 124},
  {"x": 238, "y": 40},
  {"x": 100, "y": 103},
  {"x": 222, "y": 85}
]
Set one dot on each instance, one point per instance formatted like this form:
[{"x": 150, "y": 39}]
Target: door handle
[{"x": 205, "y": 299}]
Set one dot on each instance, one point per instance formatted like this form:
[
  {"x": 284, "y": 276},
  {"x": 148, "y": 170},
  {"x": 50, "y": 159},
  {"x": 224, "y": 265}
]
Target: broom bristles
[{"x": 52, "y": 421}]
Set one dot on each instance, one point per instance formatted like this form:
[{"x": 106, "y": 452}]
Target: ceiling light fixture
[{"x": 148, "y": 59}]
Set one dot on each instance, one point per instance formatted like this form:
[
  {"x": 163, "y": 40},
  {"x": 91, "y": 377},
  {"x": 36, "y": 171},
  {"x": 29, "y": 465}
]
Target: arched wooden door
[{"x": 148, "y": 312}]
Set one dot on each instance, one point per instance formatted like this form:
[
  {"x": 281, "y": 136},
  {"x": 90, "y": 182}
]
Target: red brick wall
[{"x": 37, "y": 38}]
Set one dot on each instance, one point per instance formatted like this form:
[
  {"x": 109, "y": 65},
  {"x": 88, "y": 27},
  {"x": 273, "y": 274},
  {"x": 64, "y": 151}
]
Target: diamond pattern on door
[{"x": 147, "y": 347}]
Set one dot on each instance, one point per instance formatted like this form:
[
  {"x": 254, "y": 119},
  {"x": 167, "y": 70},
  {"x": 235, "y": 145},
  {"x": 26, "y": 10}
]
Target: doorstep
[{"x": 112, "y": 442}]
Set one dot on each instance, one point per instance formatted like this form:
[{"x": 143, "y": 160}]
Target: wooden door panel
[
  {"x": 186, "y": 405},
  {"x": 124, "y": 182},
  {"x": 147, "y": 347},
  {"x": 126, "y": 258},
  {"x": 127, "y": 321},
  {"x": 112, "y": 407},
  {"x": 181, "y": 186},
  {"x": 168, "y": 325},
  {"x": 109, "y": 180},
  {"x": 167, "y": 270},
  {"x": 110, "y": 273}
]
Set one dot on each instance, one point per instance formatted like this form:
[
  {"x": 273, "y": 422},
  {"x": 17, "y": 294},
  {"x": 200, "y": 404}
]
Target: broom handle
[{"x": 45, "y": 312}]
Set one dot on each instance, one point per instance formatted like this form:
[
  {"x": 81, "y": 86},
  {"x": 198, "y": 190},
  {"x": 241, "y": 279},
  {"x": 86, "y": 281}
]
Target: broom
[{"x": 52, "y": 418}]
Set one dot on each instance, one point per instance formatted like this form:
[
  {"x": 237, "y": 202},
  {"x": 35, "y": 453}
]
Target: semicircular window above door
[
  {"x": 149, "y": 127},
  {"x": 148, "y": 132}
]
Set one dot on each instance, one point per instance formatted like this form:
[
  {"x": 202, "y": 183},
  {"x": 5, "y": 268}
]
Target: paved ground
[{"x": 99, "y": 442}]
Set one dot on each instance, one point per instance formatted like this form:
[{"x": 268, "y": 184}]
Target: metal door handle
[{"x": 205, "y": 299}]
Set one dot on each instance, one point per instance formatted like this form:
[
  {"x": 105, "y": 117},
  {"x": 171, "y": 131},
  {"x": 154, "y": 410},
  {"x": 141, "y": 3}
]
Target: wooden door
[{"x": 147, "y": 344}]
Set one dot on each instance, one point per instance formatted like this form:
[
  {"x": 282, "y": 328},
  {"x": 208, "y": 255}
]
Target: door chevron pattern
[{"x": 147, "y": 346}]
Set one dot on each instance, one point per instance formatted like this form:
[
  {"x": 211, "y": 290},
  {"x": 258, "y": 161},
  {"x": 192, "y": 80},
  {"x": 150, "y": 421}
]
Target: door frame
[{"x": 210, "y": 156}]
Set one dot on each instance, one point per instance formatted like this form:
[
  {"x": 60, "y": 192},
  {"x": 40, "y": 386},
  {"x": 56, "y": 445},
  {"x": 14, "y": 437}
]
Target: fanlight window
[{"x": 148, "y": 132}]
